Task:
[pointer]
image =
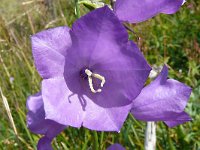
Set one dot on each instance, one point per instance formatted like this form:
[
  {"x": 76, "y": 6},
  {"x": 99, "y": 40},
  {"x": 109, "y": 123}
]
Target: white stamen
[
  {"x": 95, "y": 75},
  {"x": 100, "y": 78}
]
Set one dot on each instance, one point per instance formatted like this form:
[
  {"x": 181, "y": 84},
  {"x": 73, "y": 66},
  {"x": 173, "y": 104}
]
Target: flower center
[{"x": 90, "y": 74}]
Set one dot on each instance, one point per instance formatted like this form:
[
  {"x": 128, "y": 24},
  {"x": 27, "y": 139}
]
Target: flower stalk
[
  {"x": 150, "y": 136},
  {"x": 150, "y": 133}
]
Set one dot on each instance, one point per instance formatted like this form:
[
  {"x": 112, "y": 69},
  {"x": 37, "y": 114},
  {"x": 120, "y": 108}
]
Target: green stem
[
  {"x": 77, "y": 10},
  {"x": 101, "y": 140},
  {"x": 96, "y": 141}
]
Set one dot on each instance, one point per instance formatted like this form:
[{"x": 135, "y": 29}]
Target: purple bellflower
[
  {"x": 163, "y": 100},
  {"x": 91, "y": 73},
  {"x": 135, "y": 11}
]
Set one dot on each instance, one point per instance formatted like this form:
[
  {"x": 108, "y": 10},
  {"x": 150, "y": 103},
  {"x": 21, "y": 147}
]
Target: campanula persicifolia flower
[
  {"x": 135, "y": 11},
  {"x": 163, "y": 100},
  {"x": 91, "y": 73}
]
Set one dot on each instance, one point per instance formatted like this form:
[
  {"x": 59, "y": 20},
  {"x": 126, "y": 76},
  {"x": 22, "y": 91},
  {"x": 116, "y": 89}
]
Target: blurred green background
[{"x": 172, "y": 39}]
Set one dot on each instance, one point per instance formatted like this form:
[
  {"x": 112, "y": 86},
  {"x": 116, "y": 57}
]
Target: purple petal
[
  {"x": 44, "y": 144},
  {"x": 100, "y": 43},
  {"x": 37, "y": 123},
  {"x": 116, "y": 146},
  {"x": 181, "y": 118},
  {"x": 49, "y": 48},
  {"x": 135, "y": 11},
  {"x": 162, "y": 100},
  {"x": 64, "y": 107}
]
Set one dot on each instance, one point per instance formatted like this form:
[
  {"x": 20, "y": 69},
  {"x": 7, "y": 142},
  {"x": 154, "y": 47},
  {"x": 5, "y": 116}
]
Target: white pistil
[{"x": 95, "y": 75}]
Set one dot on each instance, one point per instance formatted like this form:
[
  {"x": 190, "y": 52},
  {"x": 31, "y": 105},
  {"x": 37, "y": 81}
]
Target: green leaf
[{"x": 91, "y": 4}]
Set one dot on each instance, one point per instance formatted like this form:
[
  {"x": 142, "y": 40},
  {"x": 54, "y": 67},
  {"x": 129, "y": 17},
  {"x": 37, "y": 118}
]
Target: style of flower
[
  {"x": 163, "y": 100},
  {"x": 135, "y": 11}
]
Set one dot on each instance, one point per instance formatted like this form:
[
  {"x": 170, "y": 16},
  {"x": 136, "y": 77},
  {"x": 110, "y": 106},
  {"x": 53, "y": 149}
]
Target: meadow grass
[{"x": 171, "y": 39}]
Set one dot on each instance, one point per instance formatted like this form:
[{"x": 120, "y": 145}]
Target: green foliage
[
  {"x": 171, "y": 39},
  {"x": 91, "y": 4}
]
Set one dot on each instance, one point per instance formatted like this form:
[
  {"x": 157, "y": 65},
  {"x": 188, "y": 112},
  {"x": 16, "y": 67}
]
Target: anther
[{"x": 95, "y": 75}]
